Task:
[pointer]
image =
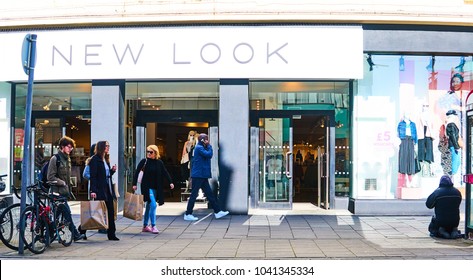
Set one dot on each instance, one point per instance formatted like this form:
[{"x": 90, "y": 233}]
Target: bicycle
[
  {"x": 45, "y": 221},
  {"x": 9, "y": 223}
]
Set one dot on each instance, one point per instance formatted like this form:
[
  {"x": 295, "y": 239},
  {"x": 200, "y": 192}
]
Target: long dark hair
[{"x": 100, "y": 150}]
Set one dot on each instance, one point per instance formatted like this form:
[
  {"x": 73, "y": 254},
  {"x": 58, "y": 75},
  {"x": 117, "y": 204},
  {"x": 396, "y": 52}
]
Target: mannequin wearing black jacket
[{"x": 446, "y": 200}]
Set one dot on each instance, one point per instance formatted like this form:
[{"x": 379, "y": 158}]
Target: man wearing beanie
[{"x": 446, "y": 200}]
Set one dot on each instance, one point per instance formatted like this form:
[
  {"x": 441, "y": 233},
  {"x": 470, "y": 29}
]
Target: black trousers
[{"x": 111, "y": 218}]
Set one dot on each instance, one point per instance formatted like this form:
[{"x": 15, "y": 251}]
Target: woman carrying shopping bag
[
  {"x": 101, "y": 185},
  {"x": 152, "y": 185}
]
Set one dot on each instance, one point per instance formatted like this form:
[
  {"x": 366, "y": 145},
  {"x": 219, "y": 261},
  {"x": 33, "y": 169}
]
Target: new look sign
[{"x": 275, "y": 52}]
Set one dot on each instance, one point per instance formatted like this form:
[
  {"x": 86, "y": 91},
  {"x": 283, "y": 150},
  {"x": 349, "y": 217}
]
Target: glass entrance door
[
  {"x": 49, "y": 128},
  {"x": 275, "y": 163},
  {"x": 47, "y": 132},
  {"x": 323, "y": 167}
]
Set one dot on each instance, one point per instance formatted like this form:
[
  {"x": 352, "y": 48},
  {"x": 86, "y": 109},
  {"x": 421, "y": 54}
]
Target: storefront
[{"x": 307, "y": 114}]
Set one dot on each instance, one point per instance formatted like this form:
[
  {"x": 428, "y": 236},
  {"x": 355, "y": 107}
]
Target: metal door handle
[{"x": 288, "y": 173}]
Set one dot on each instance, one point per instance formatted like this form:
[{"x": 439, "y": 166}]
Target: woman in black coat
[
  {"x": 101, "y": 185},
  {"x": 152, "y": 185}
]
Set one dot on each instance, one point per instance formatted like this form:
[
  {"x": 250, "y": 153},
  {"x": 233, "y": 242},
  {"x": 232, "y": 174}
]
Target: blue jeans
[
  {"x": 150, "y": 212},
  {"x": 198, "y": 183},
  {"x": 68, "y": 217},
  {"x": 455, "y": 160}
]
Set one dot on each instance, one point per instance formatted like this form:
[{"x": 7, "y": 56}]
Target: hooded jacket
[
  {"x": 200, "y": 162},
  {"x": 446, "y": 200}
]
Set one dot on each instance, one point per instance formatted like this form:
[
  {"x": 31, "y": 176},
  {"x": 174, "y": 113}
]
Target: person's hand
[
  {"x": 171, "y": 185},
  {"x": 134, "y": 188},
  {"x": 114, "y": 168},
  {"x": 93, "y": 195}
]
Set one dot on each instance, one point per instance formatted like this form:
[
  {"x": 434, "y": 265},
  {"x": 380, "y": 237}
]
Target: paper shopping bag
[
  {"x": 93, "y": 215},
  {"x": 133, "y": 207}
]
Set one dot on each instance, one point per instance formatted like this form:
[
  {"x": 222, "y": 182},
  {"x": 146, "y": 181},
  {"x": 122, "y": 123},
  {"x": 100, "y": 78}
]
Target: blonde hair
[
  {"x": 155, "y": 149},
  {"x": 189, "y": 134},
  {"x": 196, "y": 137}
]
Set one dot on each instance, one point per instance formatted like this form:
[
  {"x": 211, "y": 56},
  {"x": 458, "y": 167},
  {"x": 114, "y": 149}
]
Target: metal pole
[{"x": 25, "y": 166}]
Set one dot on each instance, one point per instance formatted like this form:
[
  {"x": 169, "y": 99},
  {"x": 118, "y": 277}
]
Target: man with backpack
[{"x": 59, "y": 178}]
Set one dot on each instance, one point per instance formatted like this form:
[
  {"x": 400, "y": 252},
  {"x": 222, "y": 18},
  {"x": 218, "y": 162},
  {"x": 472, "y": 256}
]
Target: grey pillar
[
  {"x": 140, "y": 144},
  {"x": 233, "y": 145},
  {"x": 107, "y": 125}
]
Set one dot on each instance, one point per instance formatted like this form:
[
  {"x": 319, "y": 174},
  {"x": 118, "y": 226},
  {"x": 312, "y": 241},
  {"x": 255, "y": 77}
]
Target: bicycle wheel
[
  {"x": 9, "y": 222},
  {"x": 35, "y": 231},
  {"x": 64, "y": 234}
]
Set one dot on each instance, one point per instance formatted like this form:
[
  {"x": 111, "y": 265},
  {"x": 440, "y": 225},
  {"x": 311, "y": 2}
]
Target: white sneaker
[
  {"x": 221, "y": 214},
  {"x": 190, "y": 217}
]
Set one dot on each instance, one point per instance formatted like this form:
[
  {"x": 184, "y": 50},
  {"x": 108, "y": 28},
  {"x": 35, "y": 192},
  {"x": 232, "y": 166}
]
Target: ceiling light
[{"x": 46, "y": 107}]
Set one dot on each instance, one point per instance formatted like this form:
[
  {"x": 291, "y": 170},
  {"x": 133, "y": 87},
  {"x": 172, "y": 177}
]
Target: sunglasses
[{"x": 150, "y": 152}]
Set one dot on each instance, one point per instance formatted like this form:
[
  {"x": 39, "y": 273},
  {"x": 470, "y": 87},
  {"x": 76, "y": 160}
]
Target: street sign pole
[{"x": 28, "y": 62}]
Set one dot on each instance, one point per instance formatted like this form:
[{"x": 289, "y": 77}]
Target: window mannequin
[
  {"x": 407, "y": 132},
  {"x": 453, "y": 134},
  {"x": 452, "y": 99},
  {"x": 425, "y": 141}
]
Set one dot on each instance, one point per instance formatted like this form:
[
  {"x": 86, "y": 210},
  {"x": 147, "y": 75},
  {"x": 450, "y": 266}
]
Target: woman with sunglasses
[{"x": 152, "y": 185}]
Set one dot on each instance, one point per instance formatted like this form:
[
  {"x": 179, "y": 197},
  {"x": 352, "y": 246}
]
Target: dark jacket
[
  {"x": 446, "y": 199},
  {"x": 200, "y": 162},
  {"x": 61, "y": 174},
  {"x": 153, "y": 175},
  {"x": 100, "y": 183},
  {"x": 453, "y": 134}
]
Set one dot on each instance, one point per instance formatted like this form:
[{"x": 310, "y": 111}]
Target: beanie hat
[
  {"x": 451, "y": 112},
  {"x": 446, "y": 181},
  {"x": 203, "y": 136}
]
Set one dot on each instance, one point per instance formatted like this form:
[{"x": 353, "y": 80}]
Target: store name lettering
[{"x": 210, "y": 53}]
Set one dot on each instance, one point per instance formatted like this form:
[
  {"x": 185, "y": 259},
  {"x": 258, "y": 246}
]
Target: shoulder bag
[{"x": 142, "y": 171}]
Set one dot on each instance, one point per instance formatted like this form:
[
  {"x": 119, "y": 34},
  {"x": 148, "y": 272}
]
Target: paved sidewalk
[{"x": 263, "y": 235}]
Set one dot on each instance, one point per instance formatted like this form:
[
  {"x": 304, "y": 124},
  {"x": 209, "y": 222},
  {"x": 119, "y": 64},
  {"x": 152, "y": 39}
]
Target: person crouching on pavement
[
  {"x": 200, "y": 174},
  {"x": 446, "y": 200}
]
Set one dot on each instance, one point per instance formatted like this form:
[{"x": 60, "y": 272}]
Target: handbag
[
  {"x": 93, "y": 214},
  {"x": 418, "y": 168},
  {"x": 115, "y": 189},
  {"x": 142, "y": 171},
  {"x": 185, "y": 158},
  {"x": 133, "y": 206}
]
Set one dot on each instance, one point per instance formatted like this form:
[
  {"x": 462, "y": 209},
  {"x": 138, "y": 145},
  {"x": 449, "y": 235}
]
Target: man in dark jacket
[
  {"x": 446, "y": 200},
  {"x": 200, "y": 174},
  {"x": 59, "y": 177}
]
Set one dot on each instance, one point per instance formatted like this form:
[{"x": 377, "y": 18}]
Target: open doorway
[
  {"x": 169, "y": 130},
  {"x": 309, "y": 141},
  {"x": 171, "y": 139}
]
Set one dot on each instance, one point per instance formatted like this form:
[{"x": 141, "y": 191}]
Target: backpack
[
  {"x": 43, "y": 174},
  {"x": 86, "y": 173}
]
